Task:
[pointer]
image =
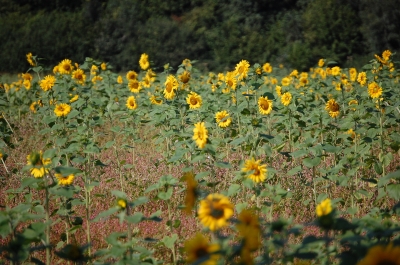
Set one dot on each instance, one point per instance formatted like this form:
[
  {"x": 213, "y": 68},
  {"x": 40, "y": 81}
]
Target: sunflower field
[{"x": 257, "y": 165}]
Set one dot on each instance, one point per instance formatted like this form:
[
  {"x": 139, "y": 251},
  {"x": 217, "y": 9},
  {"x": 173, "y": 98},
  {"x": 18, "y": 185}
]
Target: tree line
[{"x": 295, "y": 33}]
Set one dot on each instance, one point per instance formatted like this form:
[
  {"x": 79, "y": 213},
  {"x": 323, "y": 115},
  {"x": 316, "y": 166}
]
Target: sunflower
[
  {"x": 200, "y": 134},
  {"x": 27, "y": 84},
  {"x": 131, "y": 75},
  {"x": 96, "y": 78},
  {"x": 119, "y": 80},
  {"x": 38, "y": 169},
  {"x": 47, "y": 83},
  {"x": 215, "y": 210},
  {"x": 249, "y": 229},
  {"x": 185, "y": 77},
  {"x": 230, "y": 80},
  {"x": 257, "y": 172},
  {"x": 267, "y": 68},
  {"x": 151, "y": 75},
  {"x": 55, "y": 69},
  {"x": 29, "y": 58},
  {"x": 171, "y": 84},
  {"x": 386, "y": 55},
  {"x": 62, "y": 110},
  {"x": 333, "y": 108},
  {"x": 353, "y": 74},
  {"x": 353, "y": 102},
  {"x": 121, "y": 203},
  {"x": 242, "y": 68},
  {"x": 146, "y": 82},
  {"x": 32, "y": 107},
  {"x": 131, "y": 103},
  {"x": 191, "y": 191},
  {"x": 336, "y": 70},
  {"x": 223, "y": 119},
  {"x": 362, "y": 78},
  {"x": 65, "y": 180},
  {"x": 286, "y": 98},
  {"x": 94, "y": 69},
  {"x": 27, "y": 76},
  {"x": 79, "y": 76},
  {"x": 351, "y": 133},
  {"x": 65, "y": 67},
  {"x": 199, "y": 248},
  {"x": 194, "y": 100},
  {"x": 103, "y": 66},
  {"x": 285, "y": 81},
  {"x": 278, "y": 90},
  {"x": 294, "y": 73},
  {"x": 324, "y": 208},
  {"x": 74, "y": 98},
  {"x": 187, "y": 63},
  {"x": 321, "y": 62},
  {"x": 134, "y": 86},
  {"x": 264, "y": 105},
  {"x": 154, "y": 100},
  {"x": 144, "y": 61},
  {"x": 374, "y": 90},
  {"x": 381, "y": 254}
]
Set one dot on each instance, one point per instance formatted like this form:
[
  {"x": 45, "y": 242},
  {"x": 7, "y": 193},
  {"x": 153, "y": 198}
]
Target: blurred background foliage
[{"x": 219, "y": 34}]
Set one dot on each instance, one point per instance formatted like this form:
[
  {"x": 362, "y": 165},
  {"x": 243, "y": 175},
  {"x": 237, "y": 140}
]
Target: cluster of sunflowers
[{"x": 248, "y": 101}]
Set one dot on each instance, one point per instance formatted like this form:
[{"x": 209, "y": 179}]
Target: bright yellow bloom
[
  {"x": 32, "y": 107},
  {"x": 121, "y": 203},
  {"x": 353, "y": 74},
  {"x": 94, "y": 69},
  {"x": 65, "y": 67},
  {"x": 55, "y": 69},
  {"x": 199, "y": 248},
  {"x": 353, "y": 102},
  {"x": 249, "y": 229},
  {"x": 154, "y": 100},
  {"x": 131, "y": 103},
  {"x": 144, "y": 61},
  {"x": 267, "y": 68},
  {"x": 62, "y": 110},
  {"x": 79, "y": 76},
  {"x": 96, "y": 78},
  {"x": 191, "y": 191},
  {"x": 362, "y": 78},
  {"x": 230, "y": 80},
  {"x": 351, "y": 133},
  {"x": 103, "y": 66},
  {"x": 185, "y": 77},
  {"x": 38, "y": 164},
  {"x": 65, "y": 180},
  {"x": 171, "y": 85},
  {"x": 27, "y": 84},
  {"x": 74, "y": 98},
  {"x": 374, "y": 90},
  {"x": 27, "y": 76},
  {"x": 257, "y": 171},
  {"x": 119, "y": 80},
  {"x": 333, "y": 108},
  {"x": 194, "y": 100},
  {"x": 285, "y": 81},
  {"x": 294, "y": 73},
  {"x": 336, "y": 70},
  {"x": 223, "y": 119},
  {"x": 278, "y": 90},
  {"x": 321, "y": 62},
  {"x": 29, "y": 58},
  {"x": 324, "y": 208},
  {"x": 386, "y": 55},
  {"x": 242, "y": 69},
  {"x": 215, "y": 211},
  {"x": 47, "y": 83},
  {"x": 264, "y": 105},
  {"x": 200, "y": 134},
  {"x": 187, "y": 63},
  {"x": 134, "y": 86},
  {"x": 131, "y": 75},
  {"x": 286, "y": 98},
  {"x": 303, "y": 81},
  {"x": 381, "y": 254}
]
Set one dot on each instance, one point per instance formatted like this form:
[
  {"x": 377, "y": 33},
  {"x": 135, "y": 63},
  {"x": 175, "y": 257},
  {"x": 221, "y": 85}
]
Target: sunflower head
[
  {"x": 242, "y": 69},
  {"x": 191, "y": 191},
  {"x": 199, "y": 248},
  {"x": 286, "y": 98},
  {"x": 382, "y": 254},
  {"x": 267, "y": 68},
  {"x": 131, "y": 103},
  {"x": 321, "y": 62},
  {"x": 65, "y": 67},
  {"x": 62, "y": 110},
  {"x": 256, "y": 171},
  {"x": 249, "y": 229},
  {"x": 194, "y": 100},
  {"x": 134, "y": 86},
  {"x": 144, "y": 61},
  {"x": 374, "y": 90},
  {"x": 264, "y": 105},
  {"x": 200, "y": 134},
  {"x": 215, "y": 211},
  {"x": 65, "y": 180},
  {"x": 79, "y": 76},
  {"x": 131, "y": 75},
  {"x": 38, "y": 164},
  {"x": 171, "y": 85},
  {"x": 223, "y": 119},
  {"x": 333, "y": 108},
  {"x": 336, "y": 70},
  {"x": 185, "y": 77}
]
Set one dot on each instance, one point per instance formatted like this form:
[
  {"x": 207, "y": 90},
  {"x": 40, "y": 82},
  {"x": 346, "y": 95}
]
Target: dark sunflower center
[
  {"x": 201, "y": 252},
  {"x": 386, "y": 262},
  {"x": 193, "y": 101},
  {"x": 230, "y": 83},
  {"x": 217, "y": 213},
  {"x": 169, "y": 87},
  {"x": 241, "y": 69},
  {"x": 335, "y": 107},
  {"x": 264, "y": 105}
]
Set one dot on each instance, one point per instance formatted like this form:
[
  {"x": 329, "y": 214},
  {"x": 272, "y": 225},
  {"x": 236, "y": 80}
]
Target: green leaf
[
  {"x": 393, "y": 175},
  {"x": 169, "y": 242},
  {"x": 294, "y": 170},
  {"x": 106, "y": 213},
  {"x": 65, "y": 171},
  {"x": 238, "y": 141},
  {"x": 311, "y": 162},
  {"x": 233, "y": 189},
  {"x": 165, "y": 195},
  {"x": 178, "y": 155},
  {"x": 135, "y": 218},
  {"x": 298, "y": 153},
  {"x": 119, "y": 194},
  {"x": 393, "y": 191},
  {"x": 223, "y": 164}
]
